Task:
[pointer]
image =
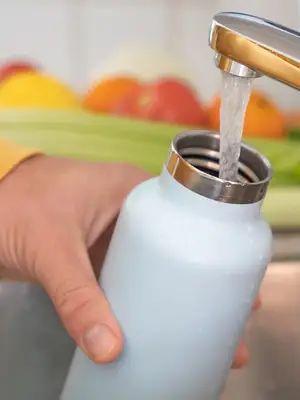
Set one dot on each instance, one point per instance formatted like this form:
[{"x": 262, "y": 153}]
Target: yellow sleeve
[{"x": 11, "y": 155}]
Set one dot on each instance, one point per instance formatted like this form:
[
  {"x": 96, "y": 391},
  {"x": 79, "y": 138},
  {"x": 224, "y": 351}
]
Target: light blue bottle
[{"x": 185, "y": 263}]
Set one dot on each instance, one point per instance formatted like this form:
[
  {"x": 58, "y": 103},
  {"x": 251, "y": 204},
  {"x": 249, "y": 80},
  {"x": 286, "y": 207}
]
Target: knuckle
[{"x": 71, "y": 300}]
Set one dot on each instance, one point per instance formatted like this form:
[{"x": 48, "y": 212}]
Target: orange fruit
[
  {"x": 263, "y": 117},
  {"x": 104, "y": 96}
]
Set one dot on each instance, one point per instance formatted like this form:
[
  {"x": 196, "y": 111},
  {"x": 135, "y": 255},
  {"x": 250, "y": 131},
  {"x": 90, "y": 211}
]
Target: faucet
[{"x": 250, "y": 47}]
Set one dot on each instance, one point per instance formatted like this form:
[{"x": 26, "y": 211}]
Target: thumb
[{"x": 67, "y": 275}]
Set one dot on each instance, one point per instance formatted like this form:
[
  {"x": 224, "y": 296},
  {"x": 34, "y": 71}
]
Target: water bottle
[{"x": 184, "y": 266}]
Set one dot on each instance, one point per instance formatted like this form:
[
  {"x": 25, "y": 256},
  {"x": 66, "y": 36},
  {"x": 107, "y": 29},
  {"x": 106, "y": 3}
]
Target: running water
[{"x": 235, "y": 95}]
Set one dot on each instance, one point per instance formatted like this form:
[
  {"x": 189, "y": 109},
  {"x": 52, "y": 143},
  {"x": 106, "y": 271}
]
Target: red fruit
[
  {"x": 166, "y": 100},
  {"x": 15, "y": 67}
]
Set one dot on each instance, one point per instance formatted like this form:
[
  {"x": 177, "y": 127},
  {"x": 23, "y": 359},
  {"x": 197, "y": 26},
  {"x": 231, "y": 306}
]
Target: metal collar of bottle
[{"x": 194, "y": 162}]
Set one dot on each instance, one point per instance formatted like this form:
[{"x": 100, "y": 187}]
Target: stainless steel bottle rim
[{"x": 194, "y": 163}]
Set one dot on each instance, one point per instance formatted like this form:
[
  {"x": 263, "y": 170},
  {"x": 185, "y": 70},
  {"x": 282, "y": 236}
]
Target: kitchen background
[
  {"x": 81, "y": 42},
  {"x": 85, "y": 54},
  {"x": 75, "y": 39}
]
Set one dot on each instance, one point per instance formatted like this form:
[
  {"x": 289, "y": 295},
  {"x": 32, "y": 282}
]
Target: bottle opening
[
  {"x": 194, "y": 162},
  {"x": 208, "y": 161}
]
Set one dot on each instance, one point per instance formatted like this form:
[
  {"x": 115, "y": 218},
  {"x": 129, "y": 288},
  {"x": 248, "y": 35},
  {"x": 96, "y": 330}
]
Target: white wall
[{"x": 72, "y": 37}]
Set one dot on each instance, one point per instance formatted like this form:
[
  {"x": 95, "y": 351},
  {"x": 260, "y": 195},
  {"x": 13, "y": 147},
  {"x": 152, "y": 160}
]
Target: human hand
[
  {"x": 57, "y": 217},
  {"x": 242, "y": 356}
]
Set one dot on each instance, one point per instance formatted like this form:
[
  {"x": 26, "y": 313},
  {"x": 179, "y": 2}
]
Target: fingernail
[
  {"x": 99, "y": 342},
  {"x": 257, "y": 304},
  {"x": 241, "y": 356}
]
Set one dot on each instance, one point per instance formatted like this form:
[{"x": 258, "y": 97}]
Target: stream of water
[{"x": 235, "y": 94}]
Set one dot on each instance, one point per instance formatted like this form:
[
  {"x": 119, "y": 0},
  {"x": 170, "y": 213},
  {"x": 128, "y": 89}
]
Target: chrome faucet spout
[{"x": 250, "y": 47}]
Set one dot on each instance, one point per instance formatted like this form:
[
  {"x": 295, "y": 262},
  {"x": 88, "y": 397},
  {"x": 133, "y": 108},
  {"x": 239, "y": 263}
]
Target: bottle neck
[
  {"x": 197, "y": 203},
  {"x": 194, "y": 162}
]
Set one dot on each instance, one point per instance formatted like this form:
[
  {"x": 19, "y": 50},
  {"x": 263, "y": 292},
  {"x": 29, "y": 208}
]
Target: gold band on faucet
[{"x": 246, "y": 41}]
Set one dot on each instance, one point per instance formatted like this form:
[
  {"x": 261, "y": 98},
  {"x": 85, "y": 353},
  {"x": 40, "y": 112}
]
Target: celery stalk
[{"x": 104, "y": 138}]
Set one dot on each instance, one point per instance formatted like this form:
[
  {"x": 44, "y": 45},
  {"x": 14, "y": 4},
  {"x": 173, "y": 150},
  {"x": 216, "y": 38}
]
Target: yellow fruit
[{"x": 36, "y": 90}]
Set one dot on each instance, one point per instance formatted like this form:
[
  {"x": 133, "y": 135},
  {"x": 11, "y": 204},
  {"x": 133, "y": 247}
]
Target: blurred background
[
  {"x": 81, "y": 40},
  {"x": 115, "y": 80},
  {"x": 101, "y": 68}
]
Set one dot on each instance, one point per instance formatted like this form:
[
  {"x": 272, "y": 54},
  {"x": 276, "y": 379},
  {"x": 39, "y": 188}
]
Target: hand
[
  {"x": 241, "y": 356},
  {"x": 57, "y": 217}
]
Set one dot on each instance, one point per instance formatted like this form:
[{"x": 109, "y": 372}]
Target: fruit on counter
[
  {"x": 103, "y": 96},
  {"x": 144, "y": 61},
  {"x": 36, "y": 90},
  {"x": 263, "y": 117},
  {"x": 14, "y": 67},
  {"x": 166, "y": 100}
]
